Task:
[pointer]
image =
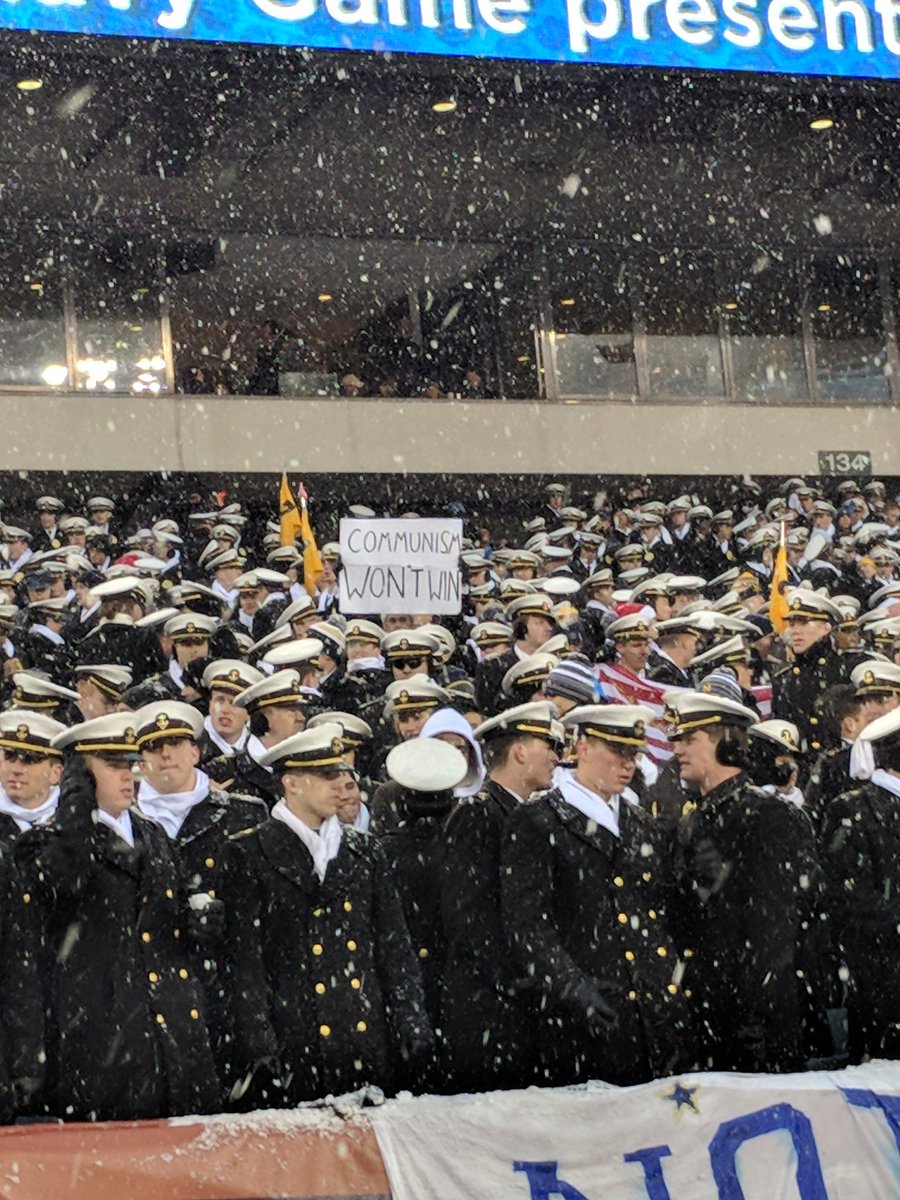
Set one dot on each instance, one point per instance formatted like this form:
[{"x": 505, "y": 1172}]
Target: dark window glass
[
  {"x": 848, "y": 329},
  {"x": 32, "y": 327},
  {"x": 681, "y": 318},
  {"x": 762, "y": 309},
  {"x": 592, "y": 323},
  {"x": 119, "y": 340}
]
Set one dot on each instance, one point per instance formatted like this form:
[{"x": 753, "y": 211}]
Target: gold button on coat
[
  {"x": 348, "y": 907},
  {"x": 153, "y": 977},
  {"x": 661, "y": 951},
  {"x": 183, "y": 974},
  {"x": 423, "y": 952},
  {"x": 145, "y": 937},
  {"x": 361, "y": 1027},
  {"x": 320, "y": 989},
  {"x": 195, "y": 1014},
  {"x": 622, "y": 919},
  {"x": 351, "y": 945},
  {"x": 356, "y": 984},
  {"x": 619, "y": 881},
  {"x": 160, "y": 1019},
  {"x": 317, "y": 949},
  {"x": 325, "y": 1030},
  {"x": 210, "y": 862},
  {"x": 629, "y": 955}
]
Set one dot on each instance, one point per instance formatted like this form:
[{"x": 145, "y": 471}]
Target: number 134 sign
[{"x": 845, "y": 462}]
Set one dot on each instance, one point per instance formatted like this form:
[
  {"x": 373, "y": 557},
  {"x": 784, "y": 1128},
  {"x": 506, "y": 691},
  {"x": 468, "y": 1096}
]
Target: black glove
[
  {"x": 207, "y": 925},
  {"x": 708, "y": 864},
  {"x": 77, "y": 796},
  {"x": 416, "y": 1044},
  {"x": 599, "y": 1016}
]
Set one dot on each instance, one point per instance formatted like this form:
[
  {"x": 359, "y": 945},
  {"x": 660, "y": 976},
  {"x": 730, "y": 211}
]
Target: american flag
[{"x": 619, "y": 686}]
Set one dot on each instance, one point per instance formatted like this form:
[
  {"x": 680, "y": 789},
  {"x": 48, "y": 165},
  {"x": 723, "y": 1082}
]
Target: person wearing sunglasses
[
  {"x": 30, "y": 771},
  {"x": 409, "y": 652},
  {"x": 326, "y": 994}
]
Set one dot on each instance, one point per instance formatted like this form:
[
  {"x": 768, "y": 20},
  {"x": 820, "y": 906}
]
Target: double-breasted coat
[
  {"x": 583, "y": 907},
  {"x": 487, "y": 1014},
  {"x": 325, "y": 988},
  {"x": 747, "y": 893},
  {"x": 861, "y": 858},
  {"x": 126, "y": 1021}
]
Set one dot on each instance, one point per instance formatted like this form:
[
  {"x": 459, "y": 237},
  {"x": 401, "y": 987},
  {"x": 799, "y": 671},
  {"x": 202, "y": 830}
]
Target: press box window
[
  {"x": 593, "y": 323},
  {"x": 761, "y": 306},
  {"x": 118, "y": 317},
  {"x": 32, "y": 324},
  {"x": 847, "y": 321},
  {"x": 681, "y": 319}
]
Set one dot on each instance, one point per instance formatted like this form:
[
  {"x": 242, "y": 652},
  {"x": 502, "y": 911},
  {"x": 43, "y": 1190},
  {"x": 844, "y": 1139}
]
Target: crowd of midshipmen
[{"x": 254, "y": 852}]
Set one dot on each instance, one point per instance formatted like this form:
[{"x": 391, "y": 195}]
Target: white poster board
[{"x": 401, "y": 565}]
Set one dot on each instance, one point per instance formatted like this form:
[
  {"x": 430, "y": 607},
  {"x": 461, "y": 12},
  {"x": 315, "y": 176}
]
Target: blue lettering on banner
[
  {"x": 889, "y": 1105},
  {"x": 654, "y": 1181},
  {"x": 732, "y": 1134},
  {"x": 545, "y": 1183},
  {"x": 800, "y": 37}
]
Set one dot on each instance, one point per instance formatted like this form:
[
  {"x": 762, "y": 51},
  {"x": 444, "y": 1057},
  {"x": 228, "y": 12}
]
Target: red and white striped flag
[{"x": 620, "y": 686}]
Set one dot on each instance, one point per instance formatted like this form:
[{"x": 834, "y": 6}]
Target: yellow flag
[
  {"x": 290, "y": 514},
  {"x": 778, "y": 604},
  {"x": 312, "y": 561}
]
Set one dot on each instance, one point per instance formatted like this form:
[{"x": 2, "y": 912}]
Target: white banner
[
  {"x": 824, "y": 1135},
  {"x": 400, "y": 565}
]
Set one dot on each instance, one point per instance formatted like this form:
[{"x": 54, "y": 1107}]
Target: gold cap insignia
[
  {"x": 869, "y": 677},
  {"x": 130, "y": 737},
  {"x": 336, "y": 745},
  {"x": 404, "y": 643},
  {"x": 190, "y": 627},
  {"x": 796, "y": 603},
  {"x": 639, "y": 729},
  {"x": 162, "y": 721},
  {"x": 234, "y": 675},
  {"x": 404, "y": 697},
  {"x": 22, "y": 733}
]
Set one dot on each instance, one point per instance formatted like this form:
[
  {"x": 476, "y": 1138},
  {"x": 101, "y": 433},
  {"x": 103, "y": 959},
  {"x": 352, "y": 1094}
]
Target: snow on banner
[
  {"x": 815, "y": 1136},
  {"x": 401, "y": 565}
]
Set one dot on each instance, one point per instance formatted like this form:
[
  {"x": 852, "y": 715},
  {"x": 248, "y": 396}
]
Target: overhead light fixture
[
  {"x": 325, "y": 297},
  {"x": 568, "y": 302},
  {"x": 29, "y": 85},
  {"x": 731, "y": 305},
  {"x": 824, "y": 308},
  {"x": 822, "y": 123},
  {"x": 523, "y": 358},
  {"x": 36, "y": 287},
  {"x": 444, "y": 106}
]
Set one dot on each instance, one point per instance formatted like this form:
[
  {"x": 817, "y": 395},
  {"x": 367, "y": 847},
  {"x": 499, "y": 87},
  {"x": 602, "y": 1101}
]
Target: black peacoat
[
  {"x": 747, "y": 889},
  {"x": 585, "y": 909},
  {"x": 126, "y": 1031},
  {"x": 325, "y": 989},
  {"x": 861, "y": 857},
  {"x": 487, "y": 1014}
]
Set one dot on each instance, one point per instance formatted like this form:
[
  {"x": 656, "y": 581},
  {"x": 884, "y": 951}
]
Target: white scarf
[
  {"x": 363, "y": 820},
  {"x": 50, "y": 634},
  {"x": 120, "y": 824},
  {"x": 322, "y": 843},
  {"x": 87, "y": 613},
  {"x": 887, "y": 781},
  {"x": 227, "y": 748},
  {"x": 794, "y": 796},
  {"x": 26, "y": 817},
  {"x": 177, "y": 673},
  {"x": 601, "y": 812},
  {"x": 170, "y": 809},
  {"x": 372, "y": 662},
  {"x": 256, "y": 750},
  {"x": 862, "y": 760}
]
